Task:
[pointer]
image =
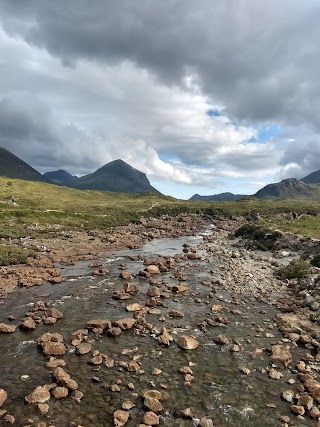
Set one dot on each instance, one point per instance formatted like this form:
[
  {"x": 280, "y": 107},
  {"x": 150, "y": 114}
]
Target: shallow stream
[{"x": 220, "y": 390}]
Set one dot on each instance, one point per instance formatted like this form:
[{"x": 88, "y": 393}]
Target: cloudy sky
[{"x": 203, "y": 96}]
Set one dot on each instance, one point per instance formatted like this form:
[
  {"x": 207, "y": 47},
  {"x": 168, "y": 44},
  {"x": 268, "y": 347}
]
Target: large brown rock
[
  {"x": 187, "y": 343},
  {"x": 54, "y": 312},
  {"x": 151, "y": 419},
  {"x": 52, "y": 344},
  {"x": 39, "y": 395},
  {"x": 63, "y": 379},
  {"x": 153, "y": 404},
  {"x": 281, "y": 354},
  {"x": 60, "y": 392},
  {"x": 7, "y": 329},
  {"x": 99, "y": 323},
  {"x": 131, "y": 288},
  {"x": 28, "y": 324},
  {"x": 120, "y": 418},
  {"x": 152, "y": 269},
  {"x": 126, "y": 323},
  {"x": 84, "y": 348},
  {"x": 3, "y": 396}
]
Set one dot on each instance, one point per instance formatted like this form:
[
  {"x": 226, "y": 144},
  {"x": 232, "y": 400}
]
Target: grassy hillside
[{"x": 47, "y": 208}]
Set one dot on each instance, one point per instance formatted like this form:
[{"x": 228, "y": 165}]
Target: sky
[{"x": 205, "y": 96}]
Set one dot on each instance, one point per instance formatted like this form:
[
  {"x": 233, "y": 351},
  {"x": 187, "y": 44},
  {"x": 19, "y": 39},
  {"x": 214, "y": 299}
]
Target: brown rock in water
[
  {"x": 9, "y": 419},
  {"x": 151, "y": 419},
  {"x": 221, "y": 339},
  {"x": 99, "y": 323},
  {"x": 114, "y": 332},
  {"x": 52, "y": 344},
  {"x": 187, "y": 342},
  {"x": 77, "y": 395},
  {"x": 298, "y": 410},
  {"x": 165, "y": 338},
  {"x": 63, "y": 379},
  {"x": 7, "y": 329},
  {"x": 28, "y": 324},
  {"x": 96, "y": 360},
  {"x": 125, "y": 275},
  {"x": 127, "y": 404},
  {"x": 155, "y": 394},
  {"x": 55, "y": 363},
  {"x": 120, "y": 418},
  {"x": 126, "y": 323},
  {"x": 134, "y": 307},
  {"x": 80, "y": 334},
  {"x": 3, "y": 396},
  {"x": 182, "y": 287},
  {"x": 84, "y": 348},
  {"x": 176, "y": 313},
  {"x": 153, "y": 291},
  {"x": 131, "y": 288},
  {"x": 153, "y": 404},
  {"x": 49, "y": 320},
  {"x": 39, "y": 395},
  {"x": 54, "y": 312},
  {"x": 281, "y": 354},
  {"x": 109, "y": 362},
  {"x": 121, "y": 295},
  {"x": 152, "y": 269},
  {"x": 60, "y": 392}
]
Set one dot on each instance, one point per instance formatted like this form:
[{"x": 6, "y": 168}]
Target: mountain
[
  {"x": 313, "y": 178},
  {"x": 115, "y": 176},
  {"x": 60, "y": 177},
  {"x": 13, "y": 167},
  {"x": 289, "y": 189},
  {"x": 221, "y": 197}
]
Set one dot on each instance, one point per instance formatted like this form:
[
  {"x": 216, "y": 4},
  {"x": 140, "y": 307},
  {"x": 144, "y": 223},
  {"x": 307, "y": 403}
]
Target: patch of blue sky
[
  {"x": 213, "y": 112},
  {"x": 169, "y": 157},
  {"x": 266, "y": 134}
]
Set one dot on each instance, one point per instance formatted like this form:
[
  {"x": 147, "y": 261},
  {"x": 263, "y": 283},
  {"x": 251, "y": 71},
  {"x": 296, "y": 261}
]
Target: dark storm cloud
[
  {"x": 258, "y": 58},
  {"x": 30, "y": 131}
]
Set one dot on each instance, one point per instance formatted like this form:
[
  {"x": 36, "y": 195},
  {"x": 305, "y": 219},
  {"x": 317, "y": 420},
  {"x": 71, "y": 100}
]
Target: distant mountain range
[
  {"x": 116, "y": 176},
  {"x": 306, "y": 188},
  {"x": 221, "y": 197}
]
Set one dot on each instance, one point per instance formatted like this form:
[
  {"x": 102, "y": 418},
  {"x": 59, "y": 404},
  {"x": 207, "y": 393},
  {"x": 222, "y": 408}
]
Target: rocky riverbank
[{"x": 206, "y": 336}]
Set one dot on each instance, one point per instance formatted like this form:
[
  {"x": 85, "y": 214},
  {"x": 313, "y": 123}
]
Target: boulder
[
  {"x": 120, "y": 418},
  {"x": 187, "y": 342},
  {"x": 54, "y": 312},
  {"x": 151, "y": 419},
  {"x": 39, "y": 395},
  {"x": 63, "y": 379},
  {"x": 126, "y": 323},
  {"x": 152, "y": 269},
  {"x": 7, "y": 329},
  {"x": 281, "y": 354},
  {"x": 84, "y": 348},
  {"x": 28, "y": 324},
  {"x": 60, "y": 392},
  {"x": 131, "y": 288},
  {"x": 153, "y": 404},
  {"x": 99, "y": 323},
  {"x": 52, "y": 344}
]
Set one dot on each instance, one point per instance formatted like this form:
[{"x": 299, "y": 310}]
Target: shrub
[
  {"x": 12, "y": 255},
  {"x": 259, "y": 237},
  {"x": 296, "y": 269}
]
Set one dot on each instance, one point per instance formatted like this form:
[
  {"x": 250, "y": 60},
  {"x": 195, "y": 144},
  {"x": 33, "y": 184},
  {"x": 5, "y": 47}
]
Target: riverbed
[{"x": 230, "y": 384}]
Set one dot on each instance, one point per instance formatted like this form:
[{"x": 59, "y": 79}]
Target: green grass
[
  {"x": 296, "y": 269},
  {"x": 46, "y": 208},
  {"x": 13, "y": 254}
]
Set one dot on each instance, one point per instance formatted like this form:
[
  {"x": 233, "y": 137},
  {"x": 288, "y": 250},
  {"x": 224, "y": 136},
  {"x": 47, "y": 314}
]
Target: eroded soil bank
[{"x": 185, "y": 331}]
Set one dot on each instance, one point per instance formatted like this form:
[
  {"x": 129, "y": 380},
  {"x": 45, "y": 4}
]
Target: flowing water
[{"x": 219, "y": 390}]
